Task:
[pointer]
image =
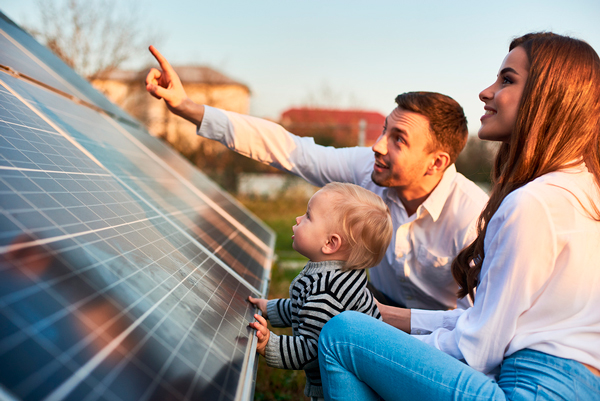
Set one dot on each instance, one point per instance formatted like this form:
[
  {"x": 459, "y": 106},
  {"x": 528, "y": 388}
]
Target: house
[
  {"x": 203, "y": 85},
  {"x": 335, "y": 127}
]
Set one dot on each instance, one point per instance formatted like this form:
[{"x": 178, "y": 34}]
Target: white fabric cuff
[
  {"x": 426, "y": 321},
  {"x": 215, "y": 125}
]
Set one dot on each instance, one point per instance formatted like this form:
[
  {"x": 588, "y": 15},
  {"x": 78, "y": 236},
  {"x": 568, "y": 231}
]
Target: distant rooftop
[
  {"x": 325, "y": 115},
  {"x": 343, "y": 124},
  {"x": 187, "y": 74}
]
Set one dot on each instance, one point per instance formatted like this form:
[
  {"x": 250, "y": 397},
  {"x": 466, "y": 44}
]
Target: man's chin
[{"x": 378, "y": 181}]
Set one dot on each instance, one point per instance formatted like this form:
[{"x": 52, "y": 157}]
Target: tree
[
  {"x": 92, "y": 36},
  {"x": 476, "y": 160}
]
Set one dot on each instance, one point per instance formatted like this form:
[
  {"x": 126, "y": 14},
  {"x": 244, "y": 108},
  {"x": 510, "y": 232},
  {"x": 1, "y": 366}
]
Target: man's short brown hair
[{"x": 447, "y": 121}]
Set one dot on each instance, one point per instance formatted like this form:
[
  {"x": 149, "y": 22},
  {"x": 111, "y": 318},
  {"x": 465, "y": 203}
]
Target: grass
[{"x": 279, "y": 214}]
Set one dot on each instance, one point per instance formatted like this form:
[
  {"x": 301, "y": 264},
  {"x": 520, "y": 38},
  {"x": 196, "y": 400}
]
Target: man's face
[{"x": 403, "y": 152}]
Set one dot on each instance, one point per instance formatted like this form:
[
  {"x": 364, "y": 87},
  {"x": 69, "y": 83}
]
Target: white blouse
[{"x": 540, "y": 281}]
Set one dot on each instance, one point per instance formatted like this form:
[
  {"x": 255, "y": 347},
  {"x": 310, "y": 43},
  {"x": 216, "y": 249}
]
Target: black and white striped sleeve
[
  {"x": 279, "y": 312},
  {"x": 294, "y": 352}
]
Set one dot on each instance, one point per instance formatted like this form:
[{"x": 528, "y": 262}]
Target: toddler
[{"x": 346, "y": 229}]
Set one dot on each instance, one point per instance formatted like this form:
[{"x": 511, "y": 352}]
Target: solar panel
[
  {"x": 124, "y": 271},
  {"x": 26, "y": 56}
]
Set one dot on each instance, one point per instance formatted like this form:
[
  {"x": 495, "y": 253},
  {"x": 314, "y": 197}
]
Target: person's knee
[
  {"x": 343, "y": 321},
  {"x": 340, "y": 326}
]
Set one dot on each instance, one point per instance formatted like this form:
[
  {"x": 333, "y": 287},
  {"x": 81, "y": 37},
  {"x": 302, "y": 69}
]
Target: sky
[{"x": 350, "y": 54}]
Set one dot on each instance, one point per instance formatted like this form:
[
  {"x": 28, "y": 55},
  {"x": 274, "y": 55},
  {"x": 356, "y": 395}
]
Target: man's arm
[
  {"x": 165, "y": 84},
  {"x": 259, "y": 139},
  {"x": 270, "y": 143}
]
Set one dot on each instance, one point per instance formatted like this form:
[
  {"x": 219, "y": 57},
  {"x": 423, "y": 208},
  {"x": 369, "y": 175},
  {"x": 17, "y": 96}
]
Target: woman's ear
[{"x": 333, "y": 244}]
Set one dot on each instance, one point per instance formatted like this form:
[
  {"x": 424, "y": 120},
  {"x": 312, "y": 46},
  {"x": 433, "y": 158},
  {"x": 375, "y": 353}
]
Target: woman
[{"x": 534, "y": 329}]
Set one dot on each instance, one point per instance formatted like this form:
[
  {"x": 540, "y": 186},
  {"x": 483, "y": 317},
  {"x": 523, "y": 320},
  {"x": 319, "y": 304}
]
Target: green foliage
[
  {"x": 476, "y": 160},
  {"x": 279, "y": 214},
  {"x": 224, "y": 166}
]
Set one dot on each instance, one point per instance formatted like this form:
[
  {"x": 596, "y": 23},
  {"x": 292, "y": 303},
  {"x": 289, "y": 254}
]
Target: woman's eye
[{"x": 506, "y": 81}]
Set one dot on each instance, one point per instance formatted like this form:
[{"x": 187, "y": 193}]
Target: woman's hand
[{"x": 397, "y": 317}]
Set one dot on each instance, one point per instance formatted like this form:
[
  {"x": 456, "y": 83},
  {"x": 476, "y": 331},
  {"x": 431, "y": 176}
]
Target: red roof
[{"x": 341, "y": 126}]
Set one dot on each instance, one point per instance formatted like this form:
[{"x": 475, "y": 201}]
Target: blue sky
[{"x": 357, "y": 54}]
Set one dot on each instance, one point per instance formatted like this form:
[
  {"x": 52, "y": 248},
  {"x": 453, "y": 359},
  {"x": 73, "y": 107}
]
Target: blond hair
[{"x": 365, "y": 223}]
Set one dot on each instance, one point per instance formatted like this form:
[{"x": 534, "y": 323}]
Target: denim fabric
[
  {"x": 365, "y": 359},
  {"x": 533, "y": 375}
]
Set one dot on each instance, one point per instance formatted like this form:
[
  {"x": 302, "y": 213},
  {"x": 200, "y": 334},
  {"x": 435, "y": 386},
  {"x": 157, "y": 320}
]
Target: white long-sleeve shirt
[
  {"x": 416, "y": 268},
  {"x": 540, "y": 280}
]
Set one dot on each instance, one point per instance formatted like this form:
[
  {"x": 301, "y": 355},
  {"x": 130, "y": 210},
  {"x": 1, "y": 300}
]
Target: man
[{"x": 411, "y": 166}]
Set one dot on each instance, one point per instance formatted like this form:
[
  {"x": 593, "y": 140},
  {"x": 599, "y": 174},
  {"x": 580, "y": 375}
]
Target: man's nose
[{"x": 380, "y": 145}]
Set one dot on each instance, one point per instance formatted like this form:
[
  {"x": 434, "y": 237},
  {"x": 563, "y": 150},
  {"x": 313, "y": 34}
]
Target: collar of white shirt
[{"x": 435, "y": 201}]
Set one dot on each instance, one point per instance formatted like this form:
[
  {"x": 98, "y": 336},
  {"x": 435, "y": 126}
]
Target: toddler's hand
[
  {"x": 262, "y": 332},
  {"x": 260, "y": 304}
]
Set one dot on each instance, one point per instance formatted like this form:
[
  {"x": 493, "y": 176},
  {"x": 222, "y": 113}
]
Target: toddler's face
[{"x": 312, "y": 229}]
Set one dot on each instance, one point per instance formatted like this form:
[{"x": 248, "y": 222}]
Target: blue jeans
[{"x": 362, "y": 358}]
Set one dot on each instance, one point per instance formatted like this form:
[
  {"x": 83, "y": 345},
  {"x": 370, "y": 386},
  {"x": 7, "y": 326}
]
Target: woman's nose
[{"x": 486, "y": 94}]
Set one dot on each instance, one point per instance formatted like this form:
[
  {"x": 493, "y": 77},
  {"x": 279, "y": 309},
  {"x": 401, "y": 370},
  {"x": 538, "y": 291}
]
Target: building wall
[{"x": 131, "y": 95}]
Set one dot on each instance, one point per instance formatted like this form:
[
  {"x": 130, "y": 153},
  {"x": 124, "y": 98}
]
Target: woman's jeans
[{"x": 362, "y": 358}]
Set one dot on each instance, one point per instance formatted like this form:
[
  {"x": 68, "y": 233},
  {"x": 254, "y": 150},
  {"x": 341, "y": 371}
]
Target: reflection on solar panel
[{"x": 124, "y": 271}]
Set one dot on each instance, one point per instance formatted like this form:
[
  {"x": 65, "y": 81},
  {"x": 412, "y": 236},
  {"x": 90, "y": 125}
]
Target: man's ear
[
  {"x": 333, "y": 244},
  {"x": 439, "y": 162}
]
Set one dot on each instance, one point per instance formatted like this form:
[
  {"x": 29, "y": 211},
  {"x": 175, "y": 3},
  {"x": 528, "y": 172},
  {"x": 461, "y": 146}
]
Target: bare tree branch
[{"x": 93, "y": 37}]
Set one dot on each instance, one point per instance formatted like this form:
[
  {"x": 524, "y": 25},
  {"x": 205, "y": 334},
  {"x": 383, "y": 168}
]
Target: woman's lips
[{"x": 488, "y": 113}]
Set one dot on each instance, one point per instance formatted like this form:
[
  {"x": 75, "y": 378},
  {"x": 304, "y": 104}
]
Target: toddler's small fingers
[{"x": 260, "y": 319}]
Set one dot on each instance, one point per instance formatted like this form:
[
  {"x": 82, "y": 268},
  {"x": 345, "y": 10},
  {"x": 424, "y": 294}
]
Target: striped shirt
[{"x": 321, "y": 291}]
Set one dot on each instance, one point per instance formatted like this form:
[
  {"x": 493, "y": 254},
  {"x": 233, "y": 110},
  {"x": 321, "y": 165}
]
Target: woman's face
[{"x": 502, "y": 97}]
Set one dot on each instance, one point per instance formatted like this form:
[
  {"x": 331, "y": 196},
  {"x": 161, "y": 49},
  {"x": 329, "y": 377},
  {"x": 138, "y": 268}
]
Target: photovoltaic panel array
[{"x": 124, "y": 271}]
